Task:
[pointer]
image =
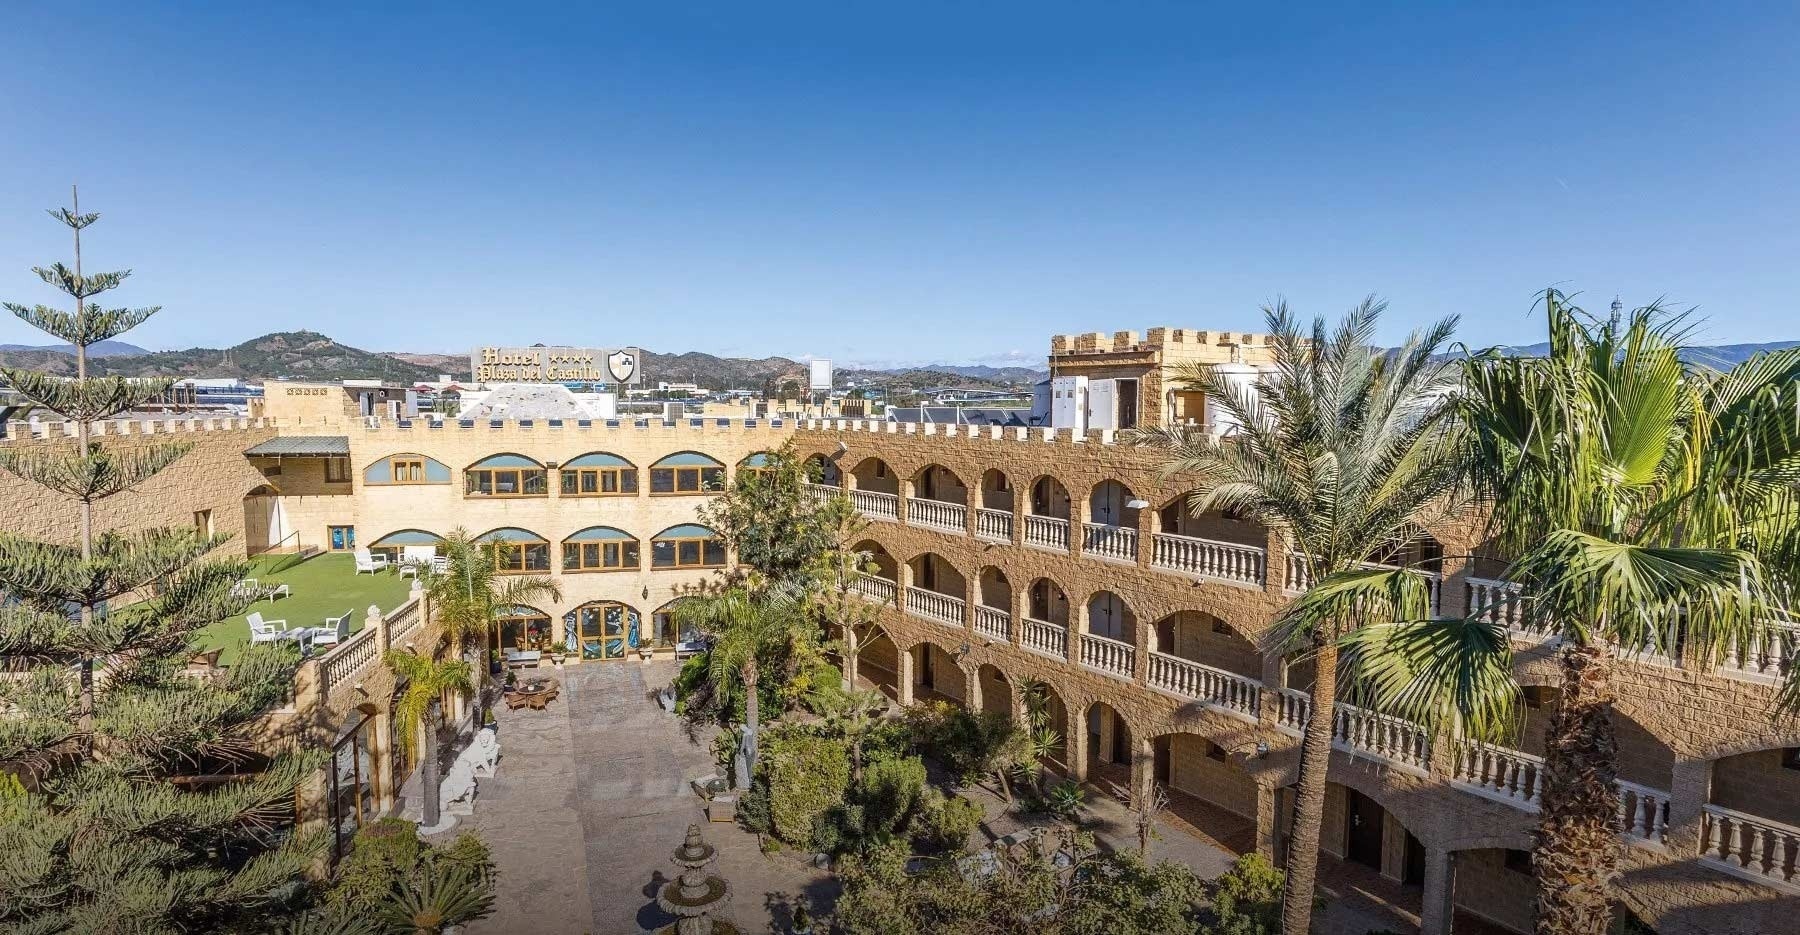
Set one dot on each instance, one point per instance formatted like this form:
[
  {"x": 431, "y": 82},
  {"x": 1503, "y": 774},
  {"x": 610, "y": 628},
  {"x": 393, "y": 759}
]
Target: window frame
[
  {"x": 501, "y": 548},
  {"x": 520, "y": 481},
  {"x": 625, "y": 481},
  {"x": 578, "y": 549},
  {"x": 675, "y": 545},
  {"x": 406, "y": 470},
  {"x": 677, "y": 475},
  {"x": 337, "y": 470}
]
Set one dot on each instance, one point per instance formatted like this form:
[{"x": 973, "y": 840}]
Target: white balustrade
[
  {"x": 349, "y": 659},
  {"x": 1766, "y": 654},
  {"x": 1293, "y": 708},
  {"x": 1047, "y": 531},
  {"x": 934, "y": 606},
  {"x": 1111, "y": 542},
  {"x": 1643, "y": 812},
  {"x": 1498, "y": 772},
  {"x": 876, "y": 505},
  {"x": 1045, "y": 637},
  {"x": 402, "y": 621},
  {"x": 938, "y": 514},
  {"x": 1207, "y": 558},
  {"x": 1390, "y": 738},
  {"x": 1107, "y": 655},
  {"x": 993, "y": 525},
  {"x": 993, "y": 622},
  {"x": 874, "y": 588},
  {"x": 1191, "y": 679},
  {"x": 1751, "y": 846},
  {"x": 1299, "y": 573},
  {"x": 822, "y": 493}
]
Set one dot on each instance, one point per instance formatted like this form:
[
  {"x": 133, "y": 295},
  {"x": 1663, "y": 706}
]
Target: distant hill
[
  {"x": 984, "y": 372},
  {"x": 102, "y": 349},
  {"x": 303, "y": 355},
  {"x": 1722, "y": 356}
]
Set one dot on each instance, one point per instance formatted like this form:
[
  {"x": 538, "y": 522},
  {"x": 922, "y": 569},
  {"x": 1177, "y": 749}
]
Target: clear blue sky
[{"x": 921, "y": 182}]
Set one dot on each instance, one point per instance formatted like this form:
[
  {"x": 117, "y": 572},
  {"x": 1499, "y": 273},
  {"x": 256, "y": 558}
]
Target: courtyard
[{"x": 319, "y": 587}]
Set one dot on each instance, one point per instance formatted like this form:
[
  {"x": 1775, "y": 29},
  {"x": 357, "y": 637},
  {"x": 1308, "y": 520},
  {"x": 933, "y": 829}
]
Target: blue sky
[{"x": 911, "y": 182}]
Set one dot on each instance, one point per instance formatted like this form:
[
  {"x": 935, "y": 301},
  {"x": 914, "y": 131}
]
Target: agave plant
[{"x": 438, "y": 896}]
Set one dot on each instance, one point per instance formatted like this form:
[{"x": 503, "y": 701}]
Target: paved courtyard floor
[{"x": 592, "y": 795}]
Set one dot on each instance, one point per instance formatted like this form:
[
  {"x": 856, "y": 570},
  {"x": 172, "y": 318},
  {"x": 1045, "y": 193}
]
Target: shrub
[
  {"x": 1247, "y": 899},
  {"x": 944, "y": 823},
  {"x": 807, "y": 774},
  {"x": 380, "y": 855},
  {"x": 889, "y": 796}
]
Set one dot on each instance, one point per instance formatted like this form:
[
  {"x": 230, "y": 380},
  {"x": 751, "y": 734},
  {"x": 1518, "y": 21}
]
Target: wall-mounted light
[
  {"x": 1136, "y": 504},
  {"x": 646, "y": 592}
]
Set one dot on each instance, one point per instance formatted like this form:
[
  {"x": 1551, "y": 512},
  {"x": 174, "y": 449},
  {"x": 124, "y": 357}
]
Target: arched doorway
[
  {"x": 937, "y": 677},
  {"x": 602, "y": 630},
  {"x": 519, "y": 629},
  {"x": 996, "y": 691}
]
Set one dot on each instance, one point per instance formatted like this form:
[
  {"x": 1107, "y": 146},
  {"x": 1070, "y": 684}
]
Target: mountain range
[{"x": 100, "y": 349}]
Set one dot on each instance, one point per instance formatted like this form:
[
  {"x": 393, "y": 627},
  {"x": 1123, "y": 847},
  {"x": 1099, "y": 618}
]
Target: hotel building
[{"x": 1058, "y": 554}]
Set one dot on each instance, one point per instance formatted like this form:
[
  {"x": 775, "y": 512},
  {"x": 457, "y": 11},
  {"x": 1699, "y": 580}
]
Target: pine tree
[{"x": 138, "y": 800}]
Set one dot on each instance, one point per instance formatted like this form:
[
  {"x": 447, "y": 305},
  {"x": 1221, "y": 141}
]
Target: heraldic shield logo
[{"x": 622, "y": 365}]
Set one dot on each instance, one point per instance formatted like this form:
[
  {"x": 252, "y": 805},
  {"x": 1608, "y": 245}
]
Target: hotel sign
[{"x": 556, "y": 365}]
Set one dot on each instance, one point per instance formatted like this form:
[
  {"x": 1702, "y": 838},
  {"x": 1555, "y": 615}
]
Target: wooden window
[
  {"x": 606, "y": 555},
  {"x": 599, "y": 482},
  {"x": 337, "y": 470},
  {"x": 521, "y": 558},
  {"x": 342, "y": 538},
  {"x": 408, "y": 471},
  {"x": 686, "y": 480},
  {"x": 506, "y": 482},
  {"x": 687, "y": 553}
]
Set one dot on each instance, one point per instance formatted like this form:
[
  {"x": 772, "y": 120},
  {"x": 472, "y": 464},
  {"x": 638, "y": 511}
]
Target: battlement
[
  {"x": 20, "y": 430},
  {"x": 421, "y": 427},
  {"x": 1037, "y": 435},
  {"x": 1162, "y": 338}
]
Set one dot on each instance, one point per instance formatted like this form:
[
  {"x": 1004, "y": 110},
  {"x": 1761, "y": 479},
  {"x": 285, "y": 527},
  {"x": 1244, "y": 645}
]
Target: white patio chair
[
  {"x": 246, "y": 587},
  {"x": 369, "y": 562},
  {"x": 409, "y": 569},
  {"x": 440, "y": 565},
  {"x": 270, "y": 631},
  {"x": 335, "y": 631},
  {"x": 275, "y": 591}
]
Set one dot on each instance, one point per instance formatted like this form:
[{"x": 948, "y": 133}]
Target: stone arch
[
  {"x": 1045, "y": 600},
  {"x": 1175, "y": 516},
  {"x": 878, "y": 561},
  {"x": 992, "y": 589},
  {"x": 521, "y": 627},
  {"x": 996, "y": 491},
  {"x": 1109, "y": 615},
  {"x": 1109, "y": 504},
  {"x": 1764, "y": 782},
  {"x": 1110, "y": 736},
  {"x": 933, "y": 572},
  {"x": 822, "y": 470},
  {"x": 937, "y": 482},
  {"x": 1644, "y": 756},
  {"x": 1049, "y": 497},
  {"x": 997, "y": 690},
  {"x": 878, "y": 663},
  {"x": 938, "y": 674},
  {"x": 1198, "y": 636},
  {"x": 875, "y": 475},
  {"x": 603, "y": 629},
  {"x": 1208, "y": 786}
]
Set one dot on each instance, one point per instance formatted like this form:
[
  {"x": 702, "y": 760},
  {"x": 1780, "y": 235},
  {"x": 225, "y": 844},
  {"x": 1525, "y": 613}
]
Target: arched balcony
[
  {"x": 1209, "y": 545},
  {"x": 936, "y": 590},
  {"x": 994, "y": 514},
  {"x": 878, "y": 578},
  {"x": 1047, "y": 516},
  {"x": 1110, "y": 531},
  {"x": 1198, "y": 656},
  {"x": 993, "y": 607},
  {"x": 938, "y": 499},
  {"x": 1109, "y": 640},
  {"x": 1046, "y": 623}
]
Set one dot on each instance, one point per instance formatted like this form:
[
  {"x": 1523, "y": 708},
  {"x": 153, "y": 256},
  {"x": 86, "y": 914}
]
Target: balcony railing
[
  {"x": 1393, "y": 739},
  {"x": 1113, "y": 542},
  {"x": 1045, "y": 637},
  {"x": 1227, "y": 561},
  {"x": 822, "y": 493},
  {"x": 1498, "y": 772},
  {"x": 1765, "y": 654},
  {"x": 993, "y": 623},
  {"x": 1047, "y": 532},
  {"x": 1108, "y": 655},
  {"x": 876, "y": 505},
  {"x": 1643, "y": 812},
  {"x": 874, "y": 587},
  {"x": 1216, "y": 687},
  {"x": 993, "y": 525},
  {"x": 1750, "y": 846},
  {"x": 938, "y": 514},
  {"x": 1298, "y": 576},
  {"x": 934, "y": 606}
]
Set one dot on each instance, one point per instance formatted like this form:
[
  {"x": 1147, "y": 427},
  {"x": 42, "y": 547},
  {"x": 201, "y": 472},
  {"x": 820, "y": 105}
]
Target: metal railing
[
  {"x": 1208, "y": 558},
  {"x": 1217, "y": 687},
  {"x": 1107, "y": 655},
  {"x": 1113, "y": 542}
]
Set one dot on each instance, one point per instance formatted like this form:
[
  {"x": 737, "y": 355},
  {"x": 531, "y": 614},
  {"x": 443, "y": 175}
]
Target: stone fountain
[{"x": 694, "y": 896}]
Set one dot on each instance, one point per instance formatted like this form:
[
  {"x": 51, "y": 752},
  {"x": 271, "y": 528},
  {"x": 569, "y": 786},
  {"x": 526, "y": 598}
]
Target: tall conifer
[{"x": 133, "y": 796}]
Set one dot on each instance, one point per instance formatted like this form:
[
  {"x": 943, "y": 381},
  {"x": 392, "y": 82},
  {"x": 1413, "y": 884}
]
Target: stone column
[
  {"x": 1140, "y": 665},
  {"x": 1017, "y": 602},
  {"x": 904, "y": 486},
  {"x": 1146, "y": 530},
  {"x": 386, "y": 789},
  {"x": 1077, "y": 626},
  {"x": 1075, "y": 745},
  {"x": 972, "y": 683},
  {"x": 1267, "y": 813},
  {"x": 1078, "y": 514},
  {"x": 1440, "y": 889},
  {"x": 1275, "y": 567},
  {"x": 904, "y": 677},
  {"x": 1020, "y": 506}
]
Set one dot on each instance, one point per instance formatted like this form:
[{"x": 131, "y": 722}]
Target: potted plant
[{"x": 803, "y": 924}]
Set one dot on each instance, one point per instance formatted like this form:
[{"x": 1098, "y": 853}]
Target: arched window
[
  {"x": 600, "y": 548},
  {"x": 598, "y": 475},
  {"x": 407, "y": 468},
  {"x": 405, "y": 544},
  {"x": 506, "y": 475},
  {"x": 686, "y": 473},
  {"x": 690, "y": 545},
  {"x": 602, "y": 629},
  {"x": 517, "y": 551},
  {"x": 520, "y": 628},
  {"x": 755, "y": 465}
]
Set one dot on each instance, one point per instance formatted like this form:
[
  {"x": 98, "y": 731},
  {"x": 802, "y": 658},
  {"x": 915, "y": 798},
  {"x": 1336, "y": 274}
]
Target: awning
[
  {"x": 687, "y": 459},
  {"x": 687, "y": 531},
  {"x": 599, "y": 533},
  {"x": 302, "y": 446}
]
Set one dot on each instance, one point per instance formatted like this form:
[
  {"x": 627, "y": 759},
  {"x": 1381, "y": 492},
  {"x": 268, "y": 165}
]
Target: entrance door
[
  {"x": 1160, "y": 747},
  {"x": 604, "y": 631},
  {"x": 1362, "y": 834}
]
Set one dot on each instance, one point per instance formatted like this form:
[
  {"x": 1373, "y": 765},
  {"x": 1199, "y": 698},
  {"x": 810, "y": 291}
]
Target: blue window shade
[
  {"x": 687, "y": 459},
  {"x": 510, "y": 534},
  {"x": 407, "y": 537},
  {"x": 382, "y": 471},
  {"x": 505, "y": 461},
  {"x": 599, "y": 533},
  {"x": 436, "y": 472},
  {"x": 599, "y": 459},
  {"x": 758, "y": 460},
  {"x": 687, "y": 531}
]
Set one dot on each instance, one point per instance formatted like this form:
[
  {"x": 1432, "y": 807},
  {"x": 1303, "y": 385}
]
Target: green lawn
[{"x": 324, "y": 585}]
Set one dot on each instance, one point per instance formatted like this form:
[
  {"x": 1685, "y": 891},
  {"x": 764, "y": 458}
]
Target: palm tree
[
  {"x": 470, "y": 592},
  {"x": 745, "y": 625},
  {"x": 420, "y": 708},
  {"x": 1347, "y": 452},
  {"x": 1652, "y": 507}
]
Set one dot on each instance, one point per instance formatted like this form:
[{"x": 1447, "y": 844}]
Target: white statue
[
  {"x": 484, "y": 752},
  {"x": 457, "y": 793}
]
